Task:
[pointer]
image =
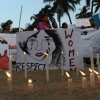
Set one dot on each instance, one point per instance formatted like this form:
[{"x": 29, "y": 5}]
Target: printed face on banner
[
  {"x": 41, "y": 42},
  {"x": 3, "y": 54}
]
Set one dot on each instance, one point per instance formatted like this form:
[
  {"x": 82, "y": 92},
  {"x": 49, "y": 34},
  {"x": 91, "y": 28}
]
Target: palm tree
[
  {"x": 36, "y": 17},
  {"x": 88, "y": 2},
  {"x": 65, "y": 5},
  {"x": 97, "y": 5},
  {"x": 83, "y": 13},
  {"x": 91, "y": 3},
  {"x": 45, "y": 1},
  {"x": 60, "y": 13}
]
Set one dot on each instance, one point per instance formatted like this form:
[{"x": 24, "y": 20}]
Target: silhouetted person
[
  {"x": 64, "y": 25},
  {"x": 43, "y": 24},
  {"x": 92, "y": 23},
  {"x": 54, "y": 25},
  {"x": 6, "y": 26}
]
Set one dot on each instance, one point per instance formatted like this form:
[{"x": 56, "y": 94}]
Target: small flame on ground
[
  {"x": 97, "y": 73},
  {"x": 67, "y": 74},
  {"x": 30, "y": 81},
  {"x": 8, "y": 74},
  {"x": 90, "y": 70},
  {"x": 83, "y": 74}
]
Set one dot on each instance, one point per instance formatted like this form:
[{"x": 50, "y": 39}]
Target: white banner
[
  {"x": 11, "y": 39},
  {"x": 82, "y": 22},
  {"x": 92, "y": 39},
  {"x": 53, "y": 42}
]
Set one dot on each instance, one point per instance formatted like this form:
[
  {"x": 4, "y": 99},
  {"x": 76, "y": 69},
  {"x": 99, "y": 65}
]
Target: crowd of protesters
[{"x": 42, "y": 24}]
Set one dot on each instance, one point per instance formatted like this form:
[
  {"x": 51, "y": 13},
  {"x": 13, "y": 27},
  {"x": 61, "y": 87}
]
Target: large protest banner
[{"x": 53, "y": 42}]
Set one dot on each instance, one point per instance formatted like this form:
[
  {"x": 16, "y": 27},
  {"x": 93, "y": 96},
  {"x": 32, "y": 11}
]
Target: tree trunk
[
  {"x": 92, "y": 7},
  {"x": 69, "y": 17},
  {"x": 59, "y": 22},
  {"x": 59, "y": 18}
]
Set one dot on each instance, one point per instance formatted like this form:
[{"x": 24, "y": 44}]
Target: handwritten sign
[{"x": 53, "y": 42}]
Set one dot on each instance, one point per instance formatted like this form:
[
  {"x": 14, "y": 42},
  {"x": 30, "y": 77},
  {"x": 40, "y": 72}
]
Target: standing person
[
  {"x": 92, "y": 23},
  {"x": 6, "y": 26},
  {"x": 43, "y": 24},
  {"x": 54, "y": 25},
  {"x": 64, "y": 25}
]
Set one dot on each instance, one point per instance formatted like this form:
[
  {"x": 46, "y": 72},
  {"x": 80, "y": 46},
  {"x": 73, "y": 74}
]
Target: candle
[
  {"x": 98, "y": 75},
  {"x": 70, "y": 88},
  {"x": 77, "y": 70},
  {"x": 9, "y": 81},
  {"x": 91, "y": 58},
  {"x": 10, "y": 64},
  {"x": 30, "y": 85},
  {"x": 98, "y": 63},
  {"x": 92, "y": 79},
  {"x": 25, "y": 65},
  {"x": 35, "y": 29},
  {"x": 47, "y": 68},
  {"x": 62, "y": 69},
  {"x": 84, "y": 80}
]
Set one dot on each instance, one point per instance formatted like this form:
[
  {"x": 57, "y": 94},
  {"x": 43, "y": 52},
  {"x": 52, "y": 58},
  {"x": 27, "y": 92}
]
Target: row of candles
[
  {"x": 77, "y": 64},
  {"x": 84, "y": 79},
  {"x": 92, "y": 71},
  {"x": 62, "y": 69},
  {"x": 9, "y": 81},
  {"x": 46, "y": 63},
  {"x": 70, "y": 86}
]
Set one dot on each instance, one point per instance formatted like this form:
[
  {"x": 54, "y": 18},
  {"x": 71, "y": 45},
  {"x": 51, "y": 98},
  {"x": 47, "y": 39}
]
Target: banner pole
[{"x": 20, "y": 16}]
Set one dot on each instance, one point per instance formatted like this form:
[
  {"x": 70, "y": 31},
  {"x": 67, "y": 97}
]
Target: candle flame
[
  {"x": 30, "y": 81},
  {"x": 24, "y": 53},
  {"x": 91, "y": 48},
  {"x": 96, "y": 72},
  {"x": 10, "y": 56},
  {"x": 67, "y": 74},
  {"x": 62, "y": 53},
  {"x": 82, "y": 73},
  {"x": 97, "y": 54},
  {"x": 77, "y": 53},
  {"x": 46, "y": 54},
  {"x": 8, "y": 74},
  {"x": 90, "y": 70}
]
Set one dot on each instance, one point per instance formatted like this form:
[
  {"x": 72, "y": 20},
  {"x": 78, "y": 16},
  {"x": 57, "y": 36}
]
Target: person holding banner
[
  {"x": 54, "y": 25},
  {"x": 43, "y": 24},
  {"x": 64, "y": 25},
  {"x": 44, "y": 41},
  {"x": 92, "y": 23}
]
